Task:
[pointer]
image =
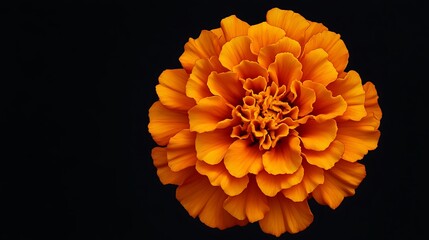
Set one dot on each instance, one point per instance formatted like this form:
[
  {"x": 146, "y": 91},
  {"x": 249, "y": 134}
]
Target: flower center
[{"x": 266, "y": 116}]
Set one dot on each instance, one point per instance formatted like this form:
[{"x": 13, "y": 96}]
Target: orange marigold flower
[{"x": 260, "y": 119}]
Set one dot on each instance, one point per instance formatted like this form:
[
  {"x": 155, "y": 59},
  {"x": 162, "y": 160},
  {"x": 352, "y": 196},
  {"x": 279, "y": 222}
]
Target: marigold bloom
[{"x": 260, "y": 119}]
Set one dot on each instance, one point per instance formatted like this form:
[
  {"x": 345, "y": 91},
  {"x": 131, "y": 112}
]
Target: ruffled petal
[
  {"x": 314, "y": 29},
  {"x": 205, "y": 46},
  {"x": 228, "y": 86},
  {"x": 233, "y": 27},
  {"x": 332, "y": 43},
  {"x": 251, "y": 204},
  {"x": 267, "y": 55},
  {"x": 371, "y": 103},
  {"x": 317, "y": 68},
  {"x": 317, "y": 135},
  {"x": 327, "y": 158},
  {"x": 292, "y": 23},
  {"x": 166, "y": 176},
  {"x": 286, "y": 216},
  {"x": 358, "y": 137},
  {"x": 326, "y": 106},
  {"x": 210, "y": 113},
  {"x": 235, "y": 51},
  {"x": 243, "y": 157},
  {"x": 263, "y": 34},
  {"x": 340, "y": 181},
  {"x": 201, "y": 199},
  {"x": 196, "y": 86},
  {"x": 171, "y": 89},
  {"x": 303, "y": 98},
  {"x": 285, "y": 158},
  {"x": 270, "y": 184},
  {"x": 350, "y": 88},
  {"x": 181, "y": 150},
  {"x": 250, "y": 70},
  {"x": 285, "y": 69},
  {"x": 212, "y": 146},
  {"x": 219, "y": 176},
  {"x": 164, "y": 123}
]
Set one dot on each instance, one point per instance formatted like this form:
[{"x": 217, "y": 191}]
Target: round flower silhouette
[{"x": 259, "y": 120}]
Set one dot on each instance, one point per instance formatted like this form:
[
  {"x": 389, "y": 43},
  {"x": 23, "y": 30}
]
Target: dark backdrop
[{"x": 80, "y": 78}]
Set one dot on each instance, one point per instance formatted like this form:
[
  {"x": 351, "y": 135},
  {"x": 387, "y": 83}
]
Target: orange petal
[
  {"x": 268, "y": 54},
  {"x": 331, "y": 42},
  {"x": 327, "y": 158},
  {"x": 210, "y": 113},
  {"x": 340, "y": 181},
  {"x": 255, "y": 85},
  {"x": 226, "y": 85},
  {"x": 317, "y": 68},
  {"x": 196, "y": 86},
  {"x": 314, "y": 29},
  {"x": 205, "y": 46},
  {"x": 292, "y": 23},
  {"x": 164, "y": 123},
  {"x": 317, "y": 135},
  {"x": 235, "y": 51},
  {"x": 263, "y": 34},
  {"x": 313, "y": 177},
  {"x": 251, "y": 204},
  {"x": 171, "y": 89},
  {"x": 202, "y": 199},
  {"x": 285, "y": 158},
  {"x": 270, "y": 184},
  {"x": 212, "y": 146},
  {"x": 326, "y": 106},
  {"x": 248, "y": 69},
  {"x": 358, "y": 137},
  {"x": 350, "y": 88},
  {"x": 219, "y": 34},
  {"x": 233, "y": 27},
  {"x": 285, "y": 69},
  {"x": 304, "y": 98},
  {"x": 166, "y": 176},
  {"x": 371, "y": 102},
  {"x": 181, "y": 150},
  {"x": 286, "y": 216},
  {"x": 219, "y": 176},
  {"x": 243, "y": 157}
]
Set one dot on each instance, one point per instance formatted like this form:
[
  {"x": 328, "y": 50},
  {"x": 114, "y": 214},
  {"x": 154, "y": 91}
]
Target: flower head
[{"x": 261, "y": 119}]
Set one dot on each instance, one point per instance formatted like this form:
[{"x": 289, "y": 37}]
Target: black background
[{"x": 79, "y": 78}]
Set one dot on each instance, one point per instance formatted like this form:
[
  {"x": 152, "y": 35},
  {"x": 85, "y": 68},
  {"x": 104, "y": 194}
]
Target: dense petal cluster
[{"x": 260, "y": 119}]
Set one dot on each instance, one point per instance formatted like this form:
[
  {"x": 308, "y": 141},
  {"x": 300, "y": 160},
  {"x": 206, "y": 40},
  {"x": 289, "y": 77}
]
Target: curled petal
[
  {"x": 326, "y": 106},
  {"x": 205, "y": 46},
  {"x": 331, "y": 42},
  {"x": 268, "y": 54},
  {"x": 317, "y": 68},
  {"x": 210, "y": 113},
  {"x": 285, "y": 158},
  {"x": 202, "y": 199},
  {"x": 371, "y": 102},
  {"x": 196, "y": 87},
  {"x": 350, "y": 88},
  {"x": 165, "y": 123},
  {"x": 250, "y": 70},
  {"x": 317, "y": 135},
  {"x": 270, "y": 184},
  {"x": 303, "y": 98},
  {"x": 212, "y": 146},
  {"x": 165, "y": 174},
  {"x": 327, "y": 158},
  {"x": 314, "y": 29},
  {"x": 219, "y": 176},
  {"x": 233, "y": 27},
  {"x": 181, "y": 150},
  {"x": 285, "y": 69},
  {"x": 171, "y": 89},
  {"x": 286, "y": 216},
  {"x": 242, "y": 158},
  {"x": 292, "y": 23},
  {"x": 340, "y": 181},
  {"x": 251, "y": 204},
  {"x": 235, "y": 51},
  {"x": 263, "y": 34},
  {"x": 226, "y": 85}
]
